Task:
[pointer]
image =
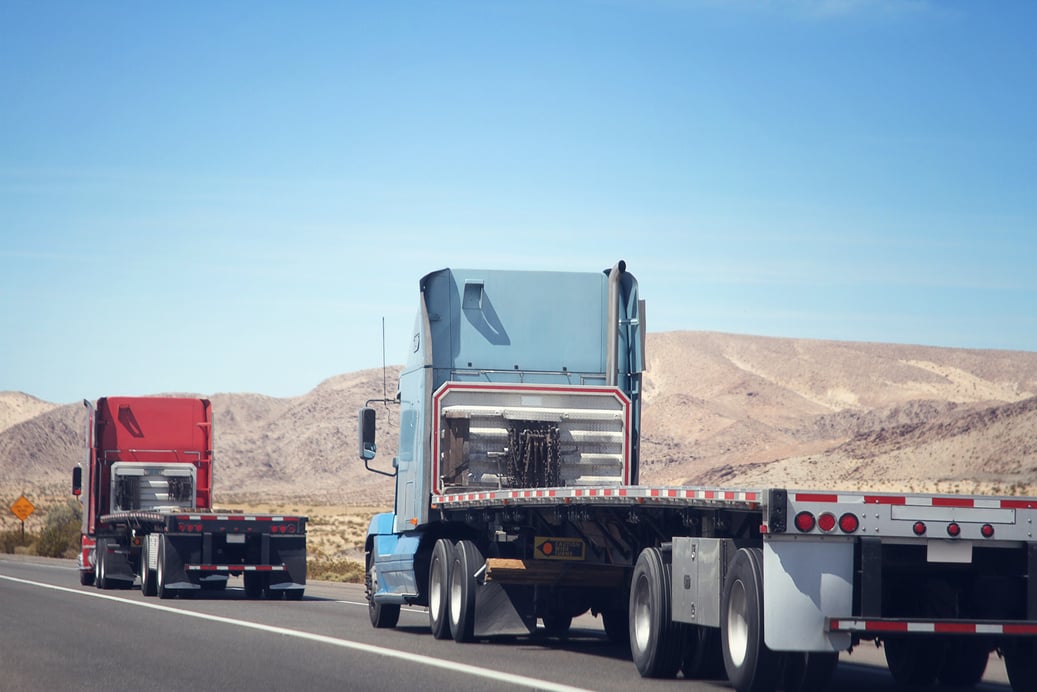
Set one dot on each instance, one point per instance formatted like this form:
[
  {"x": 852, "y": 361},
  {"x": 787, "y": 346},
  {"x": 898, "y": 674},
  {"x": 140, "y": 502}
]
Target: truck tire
[
  {"x": 750, "y": 665},
  {"x": 439, "y": 588},
  {"x": 1021, "y": 664},
  {"x": 86, "y": 577},
  {"x": 382, "y": 615},
  {"x": 965, "y": 663},
  {"x": 809, "y": 671},
  {"x": 463, "y": 585},
  {"x": 161, "y": 590},
  {"x": 255, "y": 584},
  {"x": 147, "y": 576},
  {"x": 557, "y": 624},
  {"x": 702, "y": 659},
  {"x": 101, "y": 565},
  {"x": 656, "y": 642},
  {"x": 914, "y": 662},
  {"x": 616, "y": 622}
]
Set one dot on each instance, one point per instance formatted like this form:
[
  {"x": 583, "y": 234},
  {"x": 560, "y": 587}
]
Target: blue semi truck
[{"x": 518, "y": 506}]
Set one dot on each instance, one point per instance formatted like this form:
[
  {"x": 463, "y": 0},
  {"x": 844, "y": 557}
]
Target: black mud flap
[{"x": 291, "y": 551}]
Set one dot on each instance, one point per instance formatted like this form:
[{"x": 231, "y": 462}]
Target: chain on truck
[
  {"x": 147, "y": 508},
  {"x": 517, "y": 502}
]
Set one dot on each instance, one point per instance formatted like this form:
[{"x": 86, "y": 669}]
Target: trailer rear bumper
[
  {"x": 879, "y": 627},
  {"x": 281, "y": 559}
]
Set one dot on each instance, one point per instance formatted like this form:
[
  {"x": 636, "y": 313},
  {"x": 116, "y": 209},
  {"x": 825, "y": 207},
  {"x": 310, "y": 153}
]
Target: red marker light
[
  {"x": 849, "y": 523},
  {"x": 953, "y": 529},
  {"x": 919, "y": 528},
  {"x": 805, "y": 522},
  {"x": 826, "y": 522},
  {"x": 987, "y": 530}
]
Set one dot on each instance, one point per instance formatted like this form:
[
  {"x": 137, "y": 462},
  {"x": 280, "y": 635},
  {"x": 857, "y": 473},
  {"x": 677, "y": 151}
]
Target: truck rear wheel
[
  {"x": 101, "y": 565},
  {"x": 914, "y": 661},
  {"x": 702, "y": 659},
  {"x": 147, "y": 576},
  {"x": 1021, "y": 664},
  {"x": 656, "y": 642},
  {"x": 463, "y": 585},
  {"x": 809, "y": 671},
  {"x": 161, "y": 590},
  {"x": 255, "y": 584},
  {"x": 557, "y": 624},
  {"x": 439, "y": 588},
  {"x": 965, "y": 663},
  {"x": 750, "y": 665},
  {"x": 616, "y": 622}
]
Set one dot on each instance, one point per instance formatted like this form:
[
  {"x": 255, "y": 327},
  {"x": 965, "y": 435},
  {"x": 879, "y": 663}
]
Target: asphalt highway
[{"x": 57, "y": 635}]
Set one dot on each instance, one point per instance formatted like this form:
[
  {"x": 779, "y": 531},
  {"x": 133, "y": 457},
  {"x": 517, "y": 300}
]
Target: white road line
[
  {"x": 454, "y": 666},
  {"x": 403, "y": 609},
  {"x": 39, "y": 564}
]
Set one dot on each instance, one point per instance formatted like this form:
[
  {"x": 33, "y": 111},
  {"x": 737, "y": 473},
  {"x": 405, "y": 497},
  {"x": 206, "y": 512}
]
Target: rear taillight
[
  {"x": 826, "y": 522},
  {"x": 849, "y": 523},
  {"x": 805, "y": 522}
]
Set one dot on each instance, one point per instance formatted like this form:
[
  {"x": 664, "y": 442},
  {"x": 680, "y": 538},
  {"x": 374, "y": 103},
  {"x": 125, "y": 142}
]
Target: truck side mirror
[
  {"x": 77, "y": 481},
  {"x": 366, "y": 433}
]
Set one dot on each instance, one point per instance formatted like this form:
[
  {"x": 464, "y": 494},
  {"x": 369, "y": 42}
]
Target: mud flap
[
  {"x": 174, "y": 550},
  {"x": 290, "y": 550},
  {"x": 504, "y": 610}
]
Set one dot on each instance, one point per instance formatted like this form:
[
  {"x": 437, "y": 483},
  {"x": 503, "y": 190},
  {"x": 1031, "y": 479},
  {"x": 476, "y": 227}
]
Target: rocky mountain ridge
[{"x": 719, "y": 409}]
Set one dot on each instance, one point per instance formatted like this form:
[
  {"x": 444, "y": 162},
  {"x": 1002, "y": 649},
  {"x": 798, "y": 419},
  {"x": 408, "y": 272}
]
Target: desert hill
[{"x": 719, "y": 409}]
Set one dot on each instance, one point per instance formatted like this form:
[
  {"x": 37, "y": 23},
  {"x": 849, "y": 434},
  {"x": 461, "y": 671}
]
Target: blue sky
[{"x": 231, "y": 196}]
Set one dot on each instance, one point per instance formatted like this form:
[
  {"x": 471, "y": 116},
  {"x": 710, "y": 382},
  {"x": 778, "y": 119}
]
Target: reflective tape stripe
[
  {"x": 235, "y": 568},
  {"x": 935, "y": 627}
]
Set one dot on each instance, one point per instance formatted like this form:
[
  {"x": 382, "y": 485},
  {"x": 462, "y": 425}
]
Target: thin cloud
[{"x": 801, "y": 9}]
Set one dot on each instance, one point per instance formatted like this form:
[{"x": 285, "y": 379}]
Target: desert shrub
[
  {"x": 59, "y": 536},
  {"x": 329, "y": 569},
  {"x": 12, "y": 538}
]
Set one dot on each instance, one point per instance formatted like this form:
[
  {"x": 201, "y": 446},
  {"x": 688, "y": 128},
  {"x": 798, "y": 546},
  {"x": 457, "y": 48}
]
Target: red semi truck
[{"x": 147, "y": 508}]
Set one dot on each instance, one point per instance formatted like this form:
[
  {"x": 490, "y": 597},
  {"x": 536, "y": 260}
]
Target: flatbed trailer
[
  {"x": 148, "y": 515},
  {"x": 518, "y": 503}
]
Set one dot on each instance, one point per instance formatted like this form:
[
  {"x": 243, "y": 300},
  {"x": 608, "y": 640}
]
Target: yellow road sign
[{"x": 22, "y": 508}]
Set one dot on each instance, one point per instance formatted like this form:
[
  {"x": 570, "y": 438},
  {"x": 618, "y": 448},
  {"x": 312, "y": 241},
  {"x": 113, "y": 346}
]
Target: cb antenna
[
  {"x": 385, "y": 387},
  {"x": 385, "y": 400}
]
